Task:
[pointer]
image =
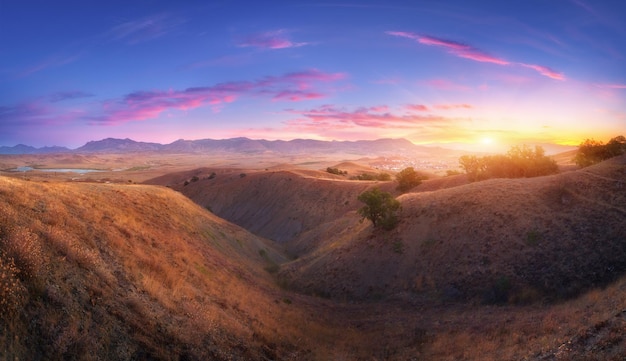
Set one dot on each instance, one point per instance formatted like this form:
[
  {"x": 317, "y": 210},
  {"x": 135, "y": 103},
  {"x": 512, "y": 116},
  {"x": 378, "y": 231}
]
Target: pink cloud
[
  {"x": 144, "y": 105},
  {"x": 336, "y": 118},
  {"x": 444, "y": 84},
  {"x": 271, "y": 40},
  {"x": 417, "y": 108},
  {"x": 544, "y": 70},
  {"x": 379, "y": 108},
  {"x": 452, "y": 106},
  {"x": 459, "y": 49},
  {"x": 297, "y": 95},
  {"x": 469, "y": 52}
]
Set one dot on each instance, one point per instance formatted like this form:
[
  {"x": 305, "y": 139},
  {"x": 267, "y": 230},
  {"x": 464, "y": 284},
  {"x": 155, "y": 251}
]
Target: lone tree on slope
[
  {"x": 408, "y": 179},
  {"x": 380, "y": 208}
]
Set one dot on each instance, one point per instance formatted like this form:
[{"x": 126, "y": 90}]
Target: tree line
[{"x": 519, "y": 162}]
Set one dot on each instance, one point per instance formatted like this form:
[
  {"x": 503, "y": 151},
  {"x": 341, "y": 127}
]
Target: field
[{"x": 179, "y": 257}]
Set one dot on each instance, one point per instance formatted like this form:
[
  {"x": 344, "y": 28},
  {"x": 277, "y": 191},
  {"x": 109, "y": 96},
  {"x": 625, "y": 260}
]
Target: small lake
[{"x": 59, "y": 170}]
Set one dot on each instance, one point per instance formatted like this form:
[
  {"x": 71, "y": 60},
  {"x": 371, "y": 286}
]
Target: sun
[{"x": 486, "y": 140}]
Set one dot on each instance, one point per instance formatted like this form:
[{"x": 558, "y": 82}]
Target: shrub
[
  {"x": 498, "y": 294},
  {"x": 380, "y": 208},
  {"x": 336, "y": 171},
  {"x": 591, "y": 151},
  {"x": 383, "y": 177},
  {"x": 408, "y": 179}
]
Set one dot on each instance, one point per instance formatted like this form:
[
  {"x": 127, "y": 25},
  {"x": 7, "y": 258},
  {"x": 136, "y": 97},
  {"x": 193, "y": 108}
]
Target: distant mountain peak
[{"x": 242, "y": 145}]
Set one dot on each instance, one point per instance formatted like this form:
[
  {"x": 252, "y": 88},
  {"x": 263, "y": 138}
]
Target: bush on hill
[
  {"x": 383, "y": 177},
  {"x": 407, "y": 179},
  {"x": 336, "y": 171},
  {"x": 591, "y": 151},
  {"x": 380, "y": 208},
  {"x": 518, "y": 162}
]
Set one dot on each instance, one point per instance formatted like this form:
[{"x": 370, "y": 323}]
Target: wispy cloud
[
  {"x": 611, "y": 86},
  {"x": 36, "y": 113},
  {"x": 466, "y": 51},
  {"x": 297, "y": 95},
  {"x": 365, "y": 117},
  {"x": 444, "y": 84},
  {"x": 144, "y": 29},
  {"x": 276, "y": 39},
  {"x": 417, "y": 108},
  {"x": 53, "y": 61},
  {"x": 459, "y": 49},
  {"x": 452, "y": 106},
  {"x": 143, "y": 105},
  {"x": 68, "y": 95},
  {"x": 544, "y": 70}
]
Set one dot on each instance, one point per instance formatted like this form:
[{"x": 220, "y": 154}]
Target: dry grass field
[{"x": 504, "y": 269}]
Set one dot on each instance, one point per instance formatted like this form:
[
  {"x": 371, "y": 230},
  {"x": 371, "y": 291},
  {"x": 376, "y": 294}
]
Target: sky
[{"x": 459, "y": 73}]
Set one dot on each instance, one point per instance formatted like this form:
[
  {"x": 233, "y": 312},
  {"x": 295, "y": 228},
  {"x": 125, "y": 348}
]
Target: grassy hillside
[
  {"x": 95, "y": 271},
  {"x": 278, "y": 205},
  {"x": 103, "y": 271},
  {"x": 497, "y": 241}
]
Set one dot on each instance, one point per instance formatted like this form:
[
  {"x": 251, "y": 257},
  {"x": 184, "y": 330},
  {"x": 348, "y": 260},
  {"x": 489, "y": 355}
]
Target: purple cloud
[
  {"x": 143, "y": 105},
  {"x": 35, "y": 113},
  {"x": 276, "y": 39},
  {"x": 331, "y": 117}
]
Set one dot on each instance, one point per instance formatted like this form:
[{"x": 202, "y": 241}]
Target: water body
[{"x": 59, "y": 170}]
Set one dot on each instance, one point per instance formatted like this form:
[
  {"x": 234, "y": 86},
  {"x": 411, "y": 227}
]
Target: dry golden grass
[
  {"x": 114, "y": 272},
  {"x": 141, "y": 272},
  {"x": 498, "y": 241}
]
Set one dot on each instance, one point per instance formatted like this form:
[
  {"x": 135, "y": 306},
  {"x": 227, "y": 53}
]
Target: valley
[{"x": 200, "y": 256}]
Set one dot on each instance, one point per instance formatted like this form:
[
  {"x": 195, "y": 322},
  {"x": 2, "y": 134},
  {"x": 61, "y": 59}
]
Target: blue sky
[{"x": 460, "y": 73}]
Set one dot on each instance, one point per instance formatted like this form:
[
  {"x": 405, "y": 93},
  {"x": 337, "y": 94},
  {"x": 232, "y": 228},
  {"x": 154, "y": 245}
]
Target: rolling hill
[
  {"x": 96, "y": 271},
  {"x": 519, "y": 240},
  {"x": 501, "y": 240},
  {"x": 504, "y": 269},
  {"x": 275, "y": 204}
]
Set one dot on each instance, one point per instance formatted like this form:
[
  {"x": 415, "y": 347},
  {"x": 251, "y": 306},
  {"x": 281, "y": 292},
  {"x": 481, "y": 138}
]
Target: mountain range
[
  {"x": 233, "y": 145},
  {"x": 242, "y": 145}
]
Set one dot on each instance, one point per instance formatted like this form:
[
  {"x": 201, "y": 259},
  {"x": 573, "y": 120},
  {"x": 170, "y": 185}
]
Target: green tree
[
  {"x": 589, "y": 152},
  {"x": 616, "y": 146},
  {"x": 380, "y": 208},
  {"x": 408, "y": 179}
]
